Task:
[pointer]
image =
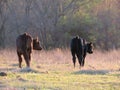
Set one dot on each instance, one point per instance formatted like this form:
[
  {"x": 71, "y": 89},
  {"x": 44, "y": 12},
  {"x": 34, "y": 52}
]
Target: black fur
[{"x": 80, "y": 48}]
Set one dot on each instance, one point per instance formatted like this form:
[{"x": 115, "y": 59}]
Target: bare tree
[
  {"x": 3, "y": 17},
  {"x": 108, "y": 26},
  {"x": 48, "y": 13}
]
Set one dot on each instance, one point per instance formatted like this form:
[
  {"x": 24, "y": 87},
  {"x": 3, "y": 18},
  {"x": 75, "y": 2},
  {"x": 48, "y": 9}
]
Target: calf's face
[
  {"x": 90, "y": 48},
  {"x": 36, "y": 44}
]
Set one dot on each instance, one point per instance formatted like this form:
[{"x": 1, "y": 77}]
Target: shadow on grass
[
  {"x": 15, "y": 65},
  {"x": 22, "y": 70},
  {"x": 6, "y": 69},
  {"x": 92, "y": 72},
  {"x": 28, "y": 70},
  {"x": 19, "y": 70}
]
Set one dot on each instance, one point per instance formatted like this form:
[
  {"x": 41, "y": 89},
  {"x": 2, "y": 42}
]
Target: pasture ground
[{"x": 53, "y": 70}]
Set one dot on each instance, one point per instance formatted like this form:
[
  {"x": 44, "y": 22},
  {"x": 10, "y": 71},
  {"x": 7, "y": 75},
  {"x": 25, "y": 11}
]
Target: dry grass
[
  {"x": 51, "y": 59},
  {"x": 97, "y": 61},
  {"x": 104, "y": 60},
  {"x": 53, "y": 70}
]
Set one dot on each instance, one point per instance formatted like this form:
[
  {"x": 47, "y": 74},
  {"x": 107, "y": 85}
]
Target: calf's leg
[
  {"x": 73, "y": 58},
  {"x": 83, "y": 60},
  {"x": 27, "y": 58},
  {"x": 80, "y": 59},
  {"x": 19, "y": 59}
]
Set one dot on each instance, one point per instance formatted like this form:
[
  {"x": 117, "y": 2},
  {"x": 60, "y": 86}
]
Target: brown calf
[{"x": 25, "y": 44}]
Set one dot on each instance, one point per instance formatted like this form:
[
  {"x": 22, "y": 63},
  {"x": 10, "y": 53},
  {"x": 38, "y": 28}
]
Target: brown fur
[{"x": 24, "y": 44}]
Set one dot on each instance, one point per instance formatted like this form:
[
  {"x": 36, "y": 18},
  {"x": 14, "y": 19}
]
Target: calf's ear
[
  {"x": 91, "y": 43},
  {"x": 37, "y": 38}
]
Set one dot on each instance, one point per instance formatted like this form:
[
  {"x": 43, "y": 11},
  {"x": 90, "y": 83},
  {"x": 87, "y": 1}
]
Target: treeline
[{"x": 55, "y": 22}]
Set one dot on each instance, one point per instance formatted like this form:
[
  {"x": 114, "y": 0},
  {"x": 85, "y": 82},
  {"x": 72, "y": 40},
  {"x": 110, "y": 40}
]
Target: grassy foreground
[{"x": 53, "y": 70}]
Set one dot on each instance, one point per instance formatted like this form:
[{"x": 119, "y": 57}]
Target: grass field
[{"x": 53, "y": 70}]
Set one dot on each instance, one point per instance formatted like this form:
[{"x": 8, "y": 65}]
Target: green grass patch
[
  {"x": 58, "y": 80},
  {"x": 58, "y": 73}
]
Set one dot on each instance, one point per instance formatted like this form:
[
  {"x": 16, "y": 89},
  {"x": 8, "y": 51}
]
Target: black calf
[{"x": 79, "y": 47}]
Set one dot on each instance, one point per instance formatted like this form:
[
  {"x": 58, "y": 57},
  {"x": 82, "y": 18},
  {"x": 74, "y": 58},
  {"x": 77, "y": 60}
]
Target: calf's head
[
  {"x": 90, "y": 48},
  {"x": 36, "y": 44}
]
